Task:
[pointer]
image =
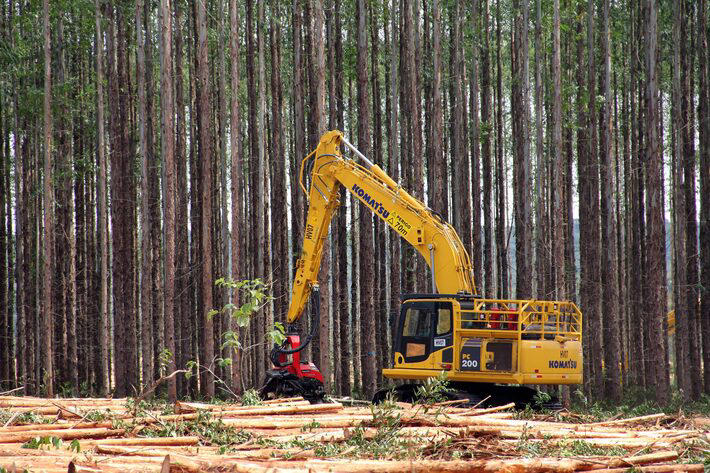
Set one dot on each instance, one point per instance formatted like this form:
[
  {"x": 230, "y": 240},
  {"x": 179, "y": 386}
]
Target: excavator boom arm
[{"x": 429, "y": 234}]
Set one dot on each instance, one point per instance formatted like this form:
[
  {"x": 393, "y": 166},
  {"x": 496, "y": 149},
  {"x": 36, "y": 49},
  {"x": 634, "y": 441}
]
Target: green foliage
[
  {"x": 253, "y": 293},
  {"x": 563, "y": 448},
  {"x": 191, "y": 367},
  {"x": 74, "y": 446},
  {"x": 277, "y": 335},
  {"x": 164, "y": 359},
  {"x": 433, "y": 390},
  {"x": 637, "y": 402},
  {"x": 541, "y": 398},
  {"x": 251, "y": 398},
  {"x": 310, "y": 426},
  {"x": 97, "y": 416},
  {"x": 212, "y": 431},
  {"x": 39, "y": 442},
  {"x": 23, "y": 418}
]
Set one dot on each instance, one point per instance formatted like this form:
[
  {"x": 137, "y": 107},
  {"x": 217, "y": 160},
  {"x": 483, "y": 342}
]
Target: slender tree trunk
[
  {"x": 541, "y": 243},
  {"x": 346, "y": 342},
  {"x": 704, "y": 122},
  {"x": 589, "y": 238},
  {"x": 146, "y": 263},
  {"x": 204, "y": 124},
  {"x": 297, "y": 213},
  {"x": 48, "y": 221},
  {"x": 6, "y": 332},
  {"x": 367, "y": 309},
  {"x": 183, "y": 313},
  {"x": 680, "y": 257},
  {"x": 462, "y": 195},
  {"x": 103, "y": 219},
  {"x": 610, "y": 288},
  {"x": 168, "y": 149},
  {"x": 279, "y": 221},
  {"x": 501, "y": 243},
  {"x": 475, "y": 187},
  {"x": 488, "y": 287},
  {"x": 521, "y": 161},
  {"x": 655, "y": 257},
  {"x": 438, "y": 172},
  {"x": 410, "y": 89},
  {"x": 236, "y": 173},
  {"x": 688, "y": 159}
]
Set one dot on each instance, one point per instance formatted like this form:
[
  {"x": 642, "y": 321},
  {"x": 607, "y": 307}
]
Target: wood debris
[{"x": 291, "y": 435}]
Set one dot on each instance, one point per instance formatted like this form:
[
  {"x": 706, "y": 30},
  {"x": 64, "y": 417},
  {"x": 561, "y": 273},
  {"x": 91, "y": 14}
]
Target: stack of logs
[{"x": 449, "y": 439}]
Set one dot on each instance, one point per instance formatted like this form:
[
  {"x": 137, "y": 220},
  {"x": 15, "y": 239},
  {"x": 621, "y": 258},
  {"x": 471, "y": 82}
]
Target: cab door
[{"x": 415, "y": 330}]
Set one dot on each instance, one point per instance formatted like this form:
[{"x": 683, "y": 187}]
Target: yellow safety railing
[{"x": 522, "y": 318}]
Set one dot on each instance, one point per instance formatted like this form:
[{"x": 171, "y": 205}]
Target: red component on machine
[
  {"x": 296, "y": 367},
  {"x": 504, "y": 316}
]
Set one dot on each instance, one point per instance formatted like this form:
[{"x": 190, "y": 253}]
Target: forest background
[{"x": 149, "y": 148}]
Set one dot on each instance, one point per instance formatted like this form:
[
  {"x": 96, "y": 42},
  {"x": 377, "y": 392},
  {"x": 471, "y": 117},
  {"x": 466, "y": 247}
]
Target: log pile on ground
[{"x": 291, "y": 435}]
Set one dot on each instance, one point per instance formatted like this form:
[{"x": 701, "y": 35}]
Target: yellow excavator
[{"x": 489, "y": 348}]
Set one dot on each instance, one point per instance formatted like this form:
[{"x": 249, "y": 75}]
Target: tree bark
[
  {"x": 236, "y": 173},
  {"x": 204, "y": 123},
  {"x": 102, "y": 220},
  {"x": 610, "y": 288},
  {"x": 501, "y": 243},
  {"x": 655, "y": 257},
  {"x": 367, "y": 306},
  {"x": 521, "y": 141},
  {"x": 589, "y": 237},
  {"x": 460, "y": 159},
  {"x": 679, "y": 214},
  {"x": 168, "y": 149},
  {"x": 704, "y": 125},
  {"x": 438, "y": 161},
  {"x": 474, "y": 190},
  {"x": 146, "y": 262},
  {"x": 410, "y": 89},
  {"x": 542, "y": 260},
  {"x": 488, "y": 287},
  {"x": 346, "y": 344},
  {"x": 690, "y": 217}
]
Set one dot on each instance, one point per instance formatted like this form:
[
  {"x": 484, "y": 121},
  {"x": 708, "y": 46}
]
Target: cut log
[
  {"x": 64, "y": 434},
  {"x": 631, "y": 420},
  {"x": 158, "y": 441}
]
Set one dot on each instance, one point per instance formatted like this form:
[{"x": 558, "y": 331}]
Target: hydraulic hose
[{"x": 282, "y": 350}]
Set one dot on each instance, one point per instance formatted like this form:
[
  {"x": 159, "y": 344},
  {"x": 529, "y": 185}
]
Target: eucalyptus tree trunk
[
  {"x": 366, "y": 267},
  {"x": 439, "y": 198},
  {"x": 146, "y": 261},
  {"x": 501, "y": 242},
  {"x": 680, "y": 256},
  {"x": 610, "y": 287},
  {"x": 521, "y": 153},
  {"x": 542, "y": 260},
  {"x": 704, "y": 121},
  {"x": 655, "y": 257},
  {"x": 104, "y": 377},
  {"x": 204, "y": 121},
  {"x": 48, "y": 204},
  {"x": 168, "y": 150},
  {"x": 487, "y": 287},
  {"x": 235, "y": 176},
  {"x": 688, "y": 158}
]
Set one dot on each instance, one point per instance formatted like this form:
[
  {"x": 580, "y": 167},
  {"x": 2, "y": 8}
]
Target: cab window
[
  {"x": 443, "y": 323},
  {"x": 416, "y": 323}
]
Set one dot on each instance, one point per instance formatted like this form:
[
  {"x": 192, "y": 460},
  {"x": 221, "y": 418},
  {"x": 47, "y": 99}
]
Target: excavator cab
[
  {"x": 487, "y": 346},
  {"x": 424, "y": 336}
]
